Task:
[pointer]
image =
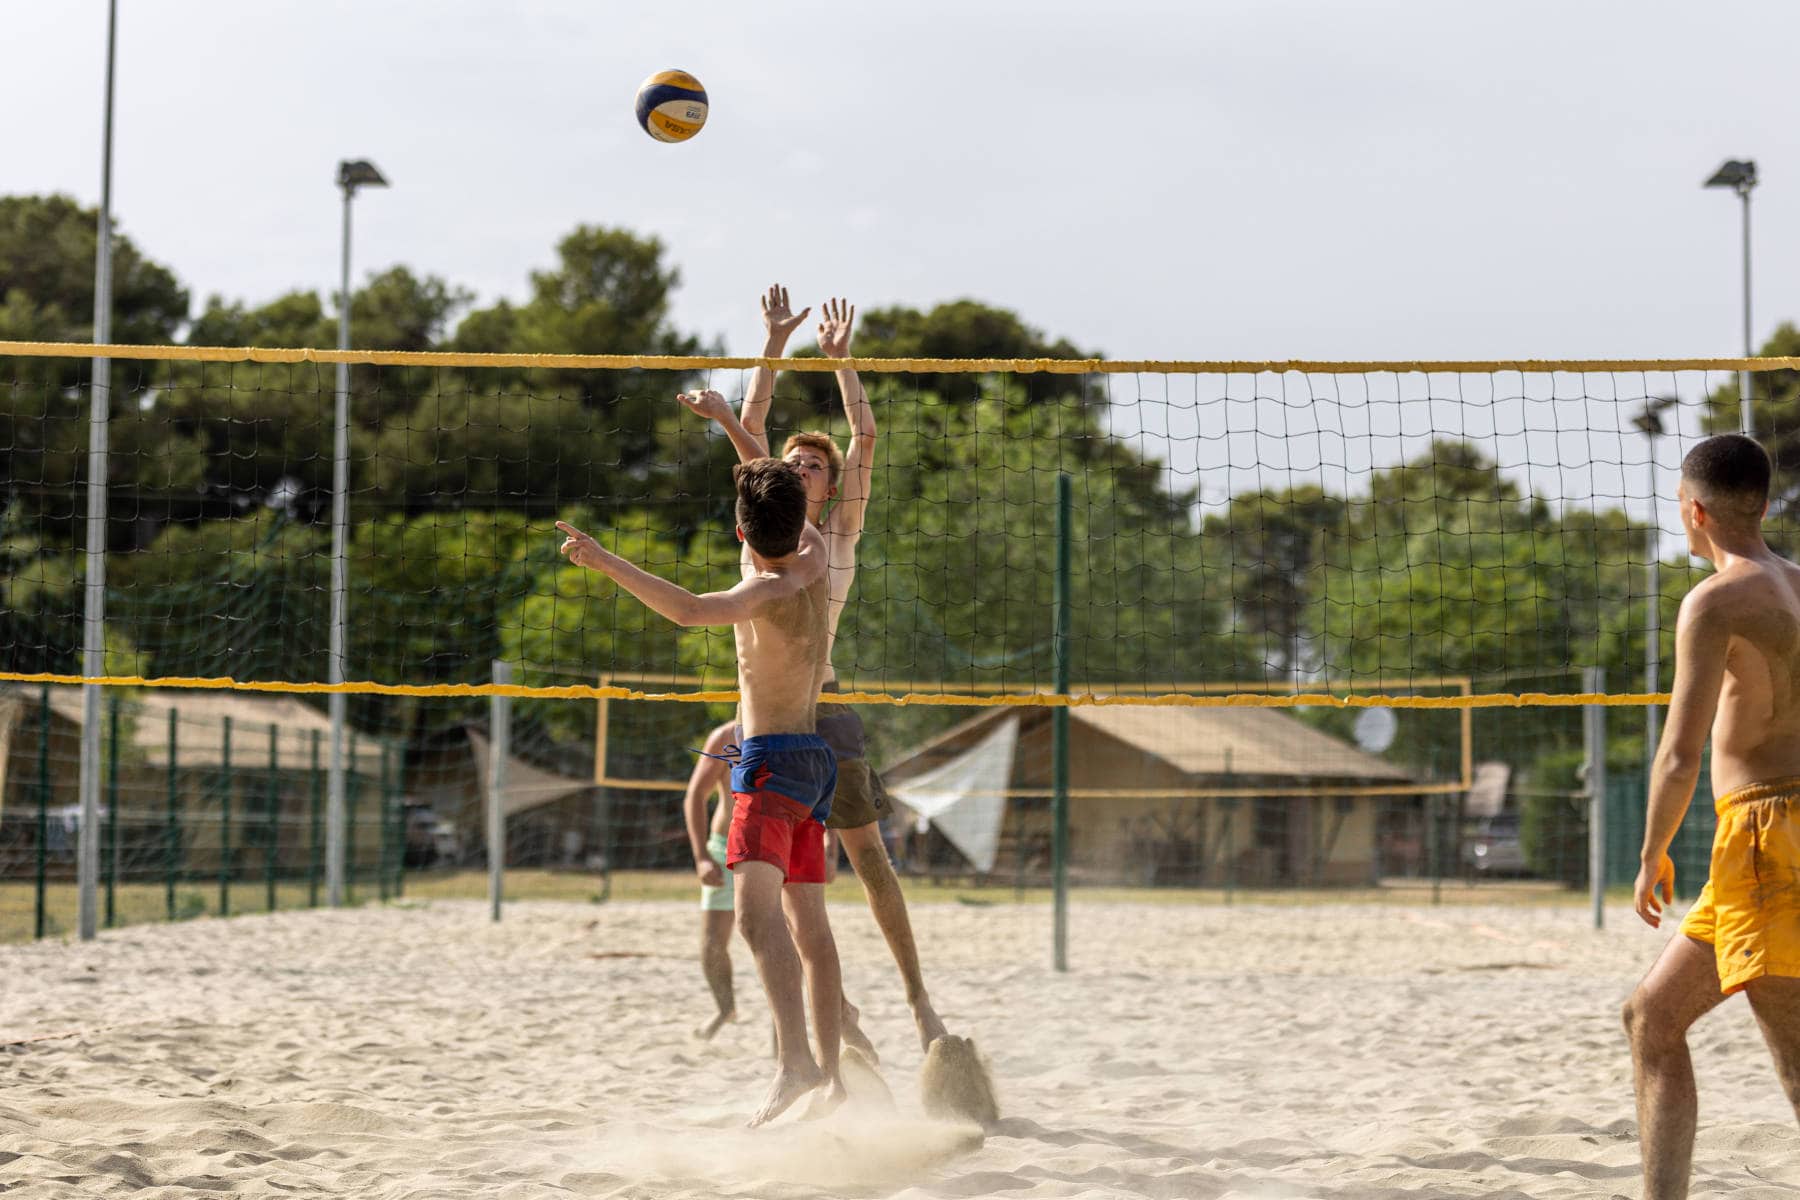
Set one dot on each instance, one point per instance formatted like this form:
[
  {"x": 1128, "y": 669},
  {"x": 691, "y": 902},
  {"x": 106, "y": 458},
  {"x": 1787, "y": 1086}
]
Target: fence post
[
  {"x": 1059, "y": 728},
  {"x": 43, "y": 822},
  {"x": 384, "y": 824},
  {"x": 225, "y": 817},
  {"x": 274, "y": 823},
  {"x": 352, "y": 794},
  {"x": 312, "y": 859},
  {"x": 172, "y": 834},
  {"x": 112, "y": 808},
  {"x": 499, "y": 746},
  {"x": 1594, "y": 742}
]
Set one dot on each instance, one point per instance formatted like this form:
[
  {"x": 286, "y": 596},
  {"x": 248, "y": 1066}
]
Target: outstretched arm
[
  {"x": 859, "y": 464},
  {"x": 779, "y": 323},
  {"x": 671, "y": 600},
  {"x": 712, "y": 406},
  {"x": 1702, "y": 639},
  {"x": 708, "y": 775}
]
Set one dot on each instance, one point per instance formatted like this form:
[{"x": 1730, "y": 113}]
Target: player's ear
[{"x": 740, "y": 533}]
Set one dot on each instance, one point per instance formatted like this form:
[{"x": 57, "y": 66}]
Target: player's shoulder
[
  {"x": 1745, "y": 588},
  {"x": 720, "y": 737}
]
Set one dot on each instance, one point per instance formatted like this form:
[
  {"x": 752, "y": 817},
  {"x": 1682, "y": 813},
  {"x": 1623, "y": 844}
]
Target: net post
[
  {"x": 499, "y": 746},
  {"x": 93, "y": 649},
  {"x": 1059, "y": 729},
  {"x": 1593, "y": 730}
]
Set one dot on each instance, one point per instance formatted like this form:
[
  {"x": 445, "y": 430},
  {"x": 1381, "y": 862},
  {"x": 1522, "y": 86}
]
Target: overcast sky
[{"x": 1253, "y": 179}]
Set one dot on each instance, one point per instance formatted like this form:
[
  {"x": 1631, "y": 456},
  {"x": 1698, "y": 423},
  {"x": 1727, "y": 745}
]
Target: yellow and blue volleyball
[{"x": 671, "y": 106}]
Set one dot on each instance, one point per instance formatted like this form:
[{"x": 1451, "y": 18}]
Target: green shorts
[{"x": 716, "y": 899}]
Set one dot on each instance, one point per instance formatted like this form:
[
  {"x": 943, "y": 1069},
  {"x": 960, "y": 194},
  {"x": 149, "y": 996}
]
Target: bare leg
[
  {"x": 805, "y": 904},
  {"x": 1682, "y": 987},
  {"x": 854, "y": 1036},
  {"x": 759, "y": 888},
  {"x": 882, "y": 887},
  {"x": 715, "y": 963},
  {"x": 1776, "y": 1002}
]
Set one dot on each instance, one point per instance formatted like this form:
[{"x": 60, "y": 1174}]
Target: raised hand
[
  {"x": 581, "y": 549},
  {"x": 778, "y": 318},
  {"x": 834, "y": 329},
  {"x": 707, "y": 403}
]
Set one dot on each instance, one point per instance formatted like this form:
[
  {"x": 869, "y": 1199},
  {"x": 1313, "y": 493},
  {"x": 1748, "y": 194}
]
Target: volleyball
[{"x": 671, "y": 106}]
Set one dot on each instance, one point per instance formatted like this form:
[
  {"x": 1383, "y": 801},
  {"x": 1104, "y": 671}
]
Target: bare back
[
  {"x": 781, "y": 649},
  {"x": 1756, "y": 731}
]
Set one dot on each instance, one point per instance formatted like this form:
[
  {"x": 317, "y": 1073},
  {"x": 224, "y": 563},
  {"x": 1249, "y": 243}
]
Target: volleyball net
[{"x": 1313, "y": 608}]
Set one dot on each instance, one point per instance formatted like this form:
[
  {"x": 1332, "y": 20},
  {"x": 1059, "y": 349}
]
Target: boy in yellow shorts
[{"x": 1737, "y": 676}]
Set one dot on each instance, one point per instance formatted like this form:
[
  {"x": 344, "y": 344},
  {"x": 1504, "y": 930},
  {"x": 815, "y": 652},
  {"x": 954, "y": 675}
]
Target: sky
[{"x": 1264, "y": 179}]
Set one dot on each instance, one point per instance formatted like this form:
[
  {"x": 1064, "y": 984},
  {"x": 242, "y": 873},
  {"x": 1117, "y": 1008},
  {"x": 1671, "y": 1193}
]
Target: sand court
[{"x": 1283, "y": 1051}]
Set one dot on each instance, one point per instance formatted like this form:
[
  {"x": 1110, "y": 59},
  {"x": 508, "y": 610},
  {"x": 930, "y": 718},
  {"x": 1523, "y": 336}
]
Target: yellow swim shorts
[{"x": 1749, "y": 909}]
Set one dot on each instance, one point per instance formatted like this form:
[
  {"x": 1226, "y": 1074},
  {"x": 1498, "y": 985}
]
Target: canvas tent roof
[
  {"x": 1244, "y": 743},
  {"x": 525, "y": 786},
  {"x": 200, "y": 729}
]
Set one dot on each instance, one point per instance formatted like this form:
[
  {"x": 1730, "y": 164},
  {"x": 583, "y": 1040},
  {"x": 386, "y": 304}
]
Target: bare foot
[
  {"x": 706, "y": 1031},
  {"x": 825, "y": 1101},
  {"x": 790, "y": 1084},
  {"x": 931, "y": 1028},
  {"x": 853, "y": 1035}
]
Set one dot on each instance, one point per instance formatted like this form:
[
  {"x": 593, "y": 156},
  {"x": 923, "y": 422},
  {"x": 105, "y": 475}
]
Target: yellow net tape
[
  {"x": 953, "y": 700},
  {"x": 1020, "y": 366}
]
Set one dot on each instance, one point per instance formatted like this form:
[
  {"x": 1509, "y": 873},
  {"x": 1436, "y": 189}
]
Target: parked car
[{"x": 1492, "y": 847}]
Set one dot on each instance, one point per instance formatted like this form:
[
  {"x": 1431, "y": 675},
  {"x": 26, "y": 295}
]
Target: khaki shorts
[{"x": 1749, "y": 910}]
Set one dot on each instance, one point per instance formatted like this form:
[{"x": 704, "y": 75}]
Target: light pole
[
  {"x": 1650, "y": 424},
  {"x": 350, "y": 176},
  {"x": 1740, "y": 175},
  {"x": 93, "y": 648}
]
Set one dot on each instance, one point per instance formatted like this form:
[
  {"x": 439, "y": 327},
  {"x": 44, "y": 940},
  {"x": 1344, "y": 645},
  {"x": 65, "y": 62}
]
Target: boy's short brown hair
[
  {"x": 814, "y": 439},
  {"x": 1730, "y": 472},
  {"x": 771, "y": 505}
]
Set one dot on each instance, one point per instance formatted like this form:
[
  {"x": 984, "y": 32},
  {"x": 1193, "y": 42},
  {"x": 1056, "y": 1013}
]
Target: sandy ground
[{"x": 419, "y": 1051}]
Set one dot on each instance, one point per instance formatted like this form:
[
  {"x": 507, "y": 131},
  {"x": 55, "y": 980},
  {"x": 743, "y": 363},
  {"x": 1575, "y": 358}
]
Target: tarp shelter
[{"x": 1172, "y": 794}]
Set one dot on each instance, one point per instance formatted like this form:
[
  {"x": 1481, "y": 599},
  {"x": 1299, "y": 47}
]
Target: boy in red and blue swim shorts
[{"x": 781, "y": 789}]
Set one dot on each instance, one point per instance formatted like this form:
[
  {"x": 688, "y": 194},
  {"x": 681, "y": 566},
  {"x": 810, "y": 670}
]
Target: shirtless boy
[
  {"x": 784, "y": 776},
  {"x": 1737, "y": 674},
  {"x": 838, "y": 488},
  {"x": 707, "y": 839}
]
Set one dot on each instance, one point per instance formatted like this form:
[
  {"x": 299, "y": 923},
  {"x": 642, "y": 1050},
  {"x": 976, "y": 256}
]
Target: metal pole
[
  {"x": 93, "y": 651},
  {"x": 1594, "y": 738},
  {"x": 1746, "y": 418},
  {"x": 340, "y": 506},
  {"x": 172, "y": 837},
  {"x": 499, "y": 746},
  {"x": 226, "y": 787},
  {"x": 272, "y": 793},
  {"x": 1059, "y": 729},
  {"x": 313, "y": 842},
  {"x": 43, "y": 813},
  {"x": 1653, "y": 628}
]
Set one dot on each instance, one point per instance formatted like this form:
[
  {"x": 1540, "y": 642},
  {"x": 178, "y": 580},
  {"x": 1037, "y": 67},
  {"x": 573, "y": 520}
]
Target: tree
[
  {"x": 956, "y": 329},
  {"x": 1776, "y": 410},
  {"x": 1267, "y": 550}
]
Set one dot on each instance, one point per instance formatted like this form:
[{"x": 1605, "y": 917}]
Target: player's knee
[
  {"x": 1644, "y": 1026},
  {"x": 757, "y": 926},
  {"x": 873, "y": 867}
]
